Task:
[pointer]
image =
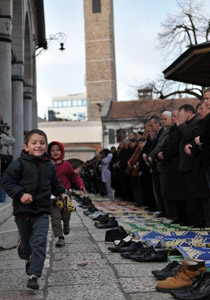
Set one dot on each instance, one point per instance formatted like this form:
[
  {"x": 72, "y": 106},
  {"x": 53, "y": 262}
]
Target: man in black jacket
[
  {"x": 203, "y": 142},
  {"x": 194, "y": 184}
]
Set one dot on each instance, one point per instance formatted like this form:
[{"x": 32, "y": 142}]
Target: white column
[
  {"x": 34, "y": 114},
  {"x": 5, "y": 62},
  {"x": 28, "y": 98},
  {"x": 17, "y": 108}
]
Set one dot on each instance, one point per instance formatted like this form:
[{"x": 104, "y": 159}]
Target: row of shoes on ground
[
  {"x": 103, "y": 220},
  {"x": 188, "y": 280},
  {"x": 115, "y": 234},
  {"x": 137, "y": 251}
]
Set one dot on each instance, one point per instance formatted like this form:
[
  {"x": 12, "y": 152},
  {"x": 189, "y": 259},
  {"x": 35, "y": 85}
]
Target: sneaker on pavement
[
  {"x": 32, "y": 283},
  {"x": 66, "y": 229},
  {"x": 60, "y": 243}
]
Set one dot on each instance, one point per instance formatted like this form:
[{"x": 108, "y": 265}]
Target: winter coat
[
  {"x": 173, "y": 178},
  {"x": 67, "y": 175},
  {"x": 188, "y": 130},
  {"x": 105, "y": 172},
  {"x": 36, "y": 176},
  {"x": 6, "y": 140},
  {"x": 205, "y": 139},
  {"x": 195, "y": 180},
  {"x": 64, "y": 169}
]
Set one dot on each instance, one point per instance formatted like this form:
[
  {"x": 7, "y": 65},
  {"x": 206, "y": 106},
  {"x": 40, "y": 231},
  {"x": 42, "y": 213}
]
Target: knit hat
[{"x": 60, "y": 145}]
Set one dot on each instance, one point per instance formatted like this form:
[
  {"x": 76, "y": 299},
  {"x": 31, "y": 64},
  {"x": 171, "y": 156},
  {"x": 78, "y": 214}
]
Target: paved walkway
[{"x": 82, "y": 270}]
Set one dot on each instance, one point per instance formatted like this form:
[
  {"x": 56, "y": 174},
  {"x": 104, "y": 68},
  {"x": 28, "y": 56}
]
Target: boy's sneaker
[
  {"x": 66, "y": 229},
  {"x": 32, "y": 283},
  {"x": 60, "y": 243}
]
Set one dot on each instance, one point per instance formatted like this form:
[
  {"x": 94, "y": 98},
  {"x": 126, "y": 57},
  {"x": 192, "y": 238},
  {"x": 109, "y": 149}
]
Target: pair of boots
[{"x": 186, "y": 275}]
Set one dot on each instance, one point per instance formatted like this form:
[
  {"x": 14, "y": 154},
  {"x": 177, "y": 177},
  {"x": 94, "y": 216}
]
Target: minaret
[{"x": 100, "y": 55}]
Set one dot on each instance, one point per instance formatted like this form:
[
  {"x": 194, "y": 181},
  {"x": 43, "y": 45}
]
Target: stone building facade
[
  {"x": 100, "y": 55},
  {"x": 81, "y": 140},
  {"x": 22, "y": 32}
]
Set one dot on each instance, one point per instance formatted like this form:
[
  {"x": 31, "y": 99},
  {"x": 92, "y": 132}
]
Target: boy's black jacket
[{"x": 36, "y": 176}]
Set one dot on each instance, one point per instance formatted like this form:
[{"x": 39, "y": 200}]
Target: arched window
[{"x": 96, "y": 6}]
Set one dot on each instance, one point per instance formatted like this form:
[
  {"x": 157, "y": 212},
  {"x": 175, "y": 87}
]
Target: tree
[{"x": 187, "y": 27}]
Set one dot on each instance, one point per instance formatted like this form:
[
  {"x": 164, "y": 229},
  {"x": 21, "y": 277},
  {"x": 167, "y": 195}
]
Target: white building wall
[{"x": 73, "y": 132}]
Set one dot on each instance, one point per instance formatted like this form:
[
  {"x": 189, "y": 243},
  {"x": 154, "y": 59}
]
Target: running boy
[
  {"x": 30, "y": 181},
  {"x": 67, "y": 176}
]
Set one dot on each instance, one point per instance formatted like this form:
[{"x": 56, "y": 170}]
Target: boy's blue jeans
[{"x": 33, "y": 230}]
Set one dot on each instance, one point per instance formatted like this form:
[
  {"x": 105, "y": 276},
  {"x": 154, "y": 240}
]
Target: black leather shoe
[
  {"x": 132, "y": 247},
  {"x": 200, "y": 290},
  {"x": 85, "y": 202},
  {"x": 137, "y": 252},
  {"x": 109, "y": 224},
  {"x": 120, "y": 245},
  {"x": 103, "y": 219},
  {"x": 151, "y": 256},
  {"x": 161, "y": 215},
  {"x": 115, "y": 234},
  {"x": 90, "y": 211},
  {"x": 169, "y": 271},
  {"x": 98, "y": 215}
]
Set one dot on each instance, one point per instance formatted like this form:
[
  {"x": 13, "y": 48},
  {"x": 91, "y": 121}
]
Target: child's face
[
  {"x": 37, "y": 145},
  {"x": 55, "y": 152}
]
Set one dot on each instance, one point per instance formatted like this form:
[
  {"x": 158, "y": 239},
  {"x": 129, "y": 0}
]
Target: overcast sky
[{"x": 138, "y": 59}]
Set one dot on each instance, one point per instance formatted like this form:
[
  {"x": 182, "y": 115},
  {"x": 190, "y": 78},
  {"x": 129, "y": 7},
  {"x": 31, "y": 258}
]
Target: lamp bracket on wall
[{"x": 60, "y": 37}]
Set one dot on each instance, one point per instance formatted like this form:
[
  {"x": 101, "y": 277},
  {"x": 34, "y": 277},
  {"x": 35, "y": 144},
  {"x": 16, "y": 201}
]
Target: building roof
[
  {"x": 192, "y": 66},
  {"x": 145, "y": 108}
]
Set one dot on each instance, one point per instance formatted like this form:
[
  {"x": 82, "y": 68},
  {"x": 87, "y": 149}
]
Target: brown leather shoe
[{"x": 186, "y": 275}]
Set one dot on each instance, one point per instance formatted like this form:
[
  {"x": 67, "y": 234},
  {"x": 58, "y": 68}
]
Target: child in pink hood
[{"x": 67, "y": 176}]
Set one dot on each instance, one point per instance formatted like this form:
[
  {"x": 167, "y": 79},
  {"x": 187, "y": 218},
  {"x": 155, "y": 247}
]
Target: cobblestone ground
[{"x": 82, "y": 270}]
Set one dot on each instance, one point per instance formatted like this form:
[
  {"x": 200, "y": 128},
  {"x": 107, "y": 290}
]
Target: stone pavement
[{"x": 82, "y": 270}]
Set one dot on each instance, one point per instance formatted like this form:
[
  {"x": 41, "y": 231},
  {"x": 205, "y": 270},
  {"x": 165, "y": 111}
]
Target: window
[
  {"x": 74, "y": 102},
  {"x": 69, "y": 103},
  {"x": 79, "y": 102},
  {"x": 121, "y": 135},
  {"x": 111, "y": 136},
  {"x": 60, "y": 103},
  {"x": 96, "y": 6},
  {"x": 64, "y": 103},
  {"x": 55, "y": 104},
  {"x": 84, "y": 102}
]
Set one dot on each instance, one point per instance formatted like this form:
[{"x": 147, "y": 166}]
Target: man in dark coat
[
  {"x": 158, "y": 130},
  {"x": 145, "y": 171},
  {"x": 173, "y": 195},
  {"x": 203, "y": 142},
  {"x": 194, "y": 179}
]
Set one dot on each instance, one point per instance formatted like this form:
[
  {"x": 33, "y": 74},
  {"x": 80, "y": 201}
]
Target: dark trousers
[
  {"x": 195, "y": 213},
  {"x": 148, "y": 192},
  {"x": 33, "y": 230},
  {"x": 157, "y": 189}
]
